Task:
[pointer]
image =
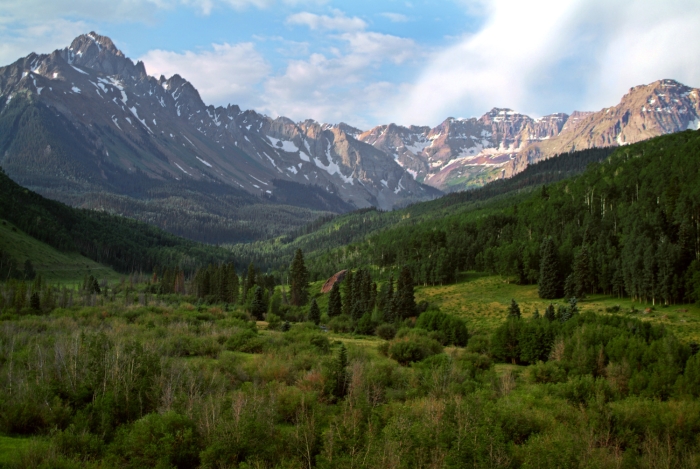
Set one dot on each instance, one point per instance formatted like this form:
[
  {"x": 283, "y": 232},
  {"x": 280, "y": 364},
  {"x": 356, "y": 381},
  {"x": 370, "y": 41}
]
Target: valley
[{"x": 190, "y": 286}]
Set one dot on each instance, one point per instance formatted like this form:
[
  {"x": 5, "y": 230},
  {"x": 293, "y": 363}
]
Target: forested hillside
[
  {"x": 123, "y": 244},
  {"x": 333, "y": 232},
  {"x": 628, "y": 226}
]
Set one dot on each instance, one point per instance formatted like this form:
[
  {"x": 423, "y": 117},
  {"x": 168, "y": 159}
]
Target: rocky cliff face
[
  {"x": 161, "y": 127},
  {"x": 462, "y": 153}
]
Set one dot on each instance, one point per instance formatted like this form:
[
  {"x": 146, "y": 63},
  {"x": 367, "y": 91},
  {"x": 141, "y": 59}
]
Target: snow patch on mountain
[
  {"x": 81, "y": 71},
  {"x": 182, "y": 169},
  {"x": 285, "y": 145},
  {"x": 206, "y": 163},
  {"x": 332, "y": 167}
]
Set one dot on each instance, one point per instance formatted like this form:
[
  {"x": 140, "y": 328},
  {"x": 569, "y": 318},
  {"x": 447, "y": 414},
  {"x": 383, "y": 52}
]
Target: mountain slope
[
  {"x": 53, "y": 265},
  {"x": 123, "y": 244},
  {"x": 464, "y": 153},
  {"x": 340, "y": 234},
  {"x": 118, "y": 121}
]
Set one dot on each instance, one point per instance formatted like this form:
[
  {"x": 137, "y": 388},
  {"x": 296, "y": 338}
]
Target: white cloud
[
  {"x": 340, "y": 87},
  {"x": 337, "y": 22},
  {"x": 225, "y": 74},
  {"x": 40, "y": 38},
  {"x": 108, "y": 10},
  {"x": 395, "y": 17},
  {"x": 548, "y": 56}
]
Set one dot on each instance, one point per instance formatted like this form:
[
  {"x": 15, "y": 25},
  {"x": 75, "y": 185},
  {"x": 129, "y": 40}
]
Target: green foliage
[
  {"x": 146, "y": 386},
  {"x": 413, "y": 348},
  {"x": 386, "y": 331},
  {"x": 404, "y": 302},
  {"x": 514, "y": 310},
  {"x": 121, "y": 243},
  {"x": 549, "y": 282},
  {"x": 168, "y": 440},
  {"x": 299, "y": 280},
  {"x": 453, "y": 331},
  {"x": 258, "y": 308},
  {"x": 314, "y": 312},
  {"x": 335, "y": 304}
]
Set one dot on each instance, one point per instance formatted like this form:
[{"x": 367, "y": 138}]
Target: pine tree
[
  {"x": 386, "y": 300},
  {"x": 95, "y": 288},
  {"x": 573, "y": 306},
  {"x": 257, "y": 306},
  {"x": 550, "y": 314},
  {"x": 299, "y": 278},
  {"x": 584, "y": 280},
  {"x": 364, "y": 325},
  {"x": 339, "y": 373},
  {"x": 570, "y": 286},
  {"x": 372, "y": 297},
  {"x": 34, "y": 302},
  {"x": 549, "y": 283},
  {"x": 348, "y": 296},
  {"x": 314, "y": 312},
  {"x": 564, "y": 313},
  {"x": 335, "y": 305},
  {"x": 404, "y": 301},
  {"x": 514, "y": 310},
  {"x": 233, "y": 285},
  {"x": 249, "y": 282}
]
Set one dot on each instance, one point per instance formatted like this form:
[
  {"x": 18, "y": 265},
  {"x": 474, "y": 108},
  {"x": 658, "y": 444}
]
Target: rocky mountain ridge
[
  {"x": 463, "y": 153},
  {"x": 129, "y": 123},
  {"x": 134, "y": 123}
]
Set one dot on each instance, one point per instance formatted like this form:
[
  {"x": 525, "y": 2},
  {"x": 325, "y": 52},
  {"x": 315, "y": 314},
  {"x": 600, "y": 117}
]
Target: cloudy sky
[{"x": 372, "y": 62}]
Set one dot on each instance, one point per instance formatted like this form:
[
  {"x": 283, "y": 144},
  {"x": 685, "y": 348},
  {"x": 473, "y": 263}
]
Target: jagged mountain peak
[
  {"x": 100, "y": 54},
  {"x": 83, "y": 43},
  {"x": 132, "y": 123}
]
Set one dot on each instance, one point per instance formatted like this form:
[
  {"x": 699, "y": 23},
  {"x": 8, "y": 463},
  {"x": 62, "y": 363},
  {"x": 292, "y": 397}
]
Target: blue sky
[{"x": 374, "y": 62}]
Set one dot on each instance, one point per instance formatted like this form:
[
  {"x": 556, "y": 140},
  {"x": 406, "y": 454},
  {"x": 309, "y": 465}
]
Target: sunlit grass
[{"x": 482, "y": 300}]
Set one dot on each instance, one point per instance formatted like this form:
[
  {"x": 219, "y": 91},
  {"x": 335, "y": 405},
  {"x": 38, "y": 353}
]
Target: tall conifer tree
[
  {"x": 335, "y": 305},
  {"x": 299, "y": 279},
  {"x": 348, "y": 296},
  {"x": 257, "y": 307},
  {"x": 314, "y": 312},
  {"x": 404, "y": 301},
  {"x": 549, "y": 284}
]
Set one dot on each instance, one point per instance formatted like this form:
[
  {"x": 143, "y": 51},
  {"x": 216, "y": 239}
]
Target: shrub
[
  {"x": 238, "y": 342},
  {"x": 321, "y": 342},
  {"x": 549, "y": 372},
  {"x": 386, "y": 331},
  {"x": 341, "y": 323},
  {"x": 158, "y": 441},
  {"x": 413, "y": 349},
  {"x": 451, "y": 329}
]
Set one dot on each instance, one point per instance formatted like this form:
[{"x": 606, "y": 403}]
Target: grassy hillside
[
  {"x": 120, "y": 243},
  {"x": 53, "y": 265},
  {"x": 482, "y": 300}
]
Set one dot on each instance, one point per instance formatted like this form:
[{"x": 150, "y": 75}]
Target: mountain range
[{"x": 88, "y": 126}]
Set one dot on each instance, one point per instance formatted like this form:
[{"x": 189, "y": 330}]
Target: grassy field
[
  {"x": 482, "y": 300},
  {"x": 9, "y": 447},
  {"x": 53, "y": 265}
]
